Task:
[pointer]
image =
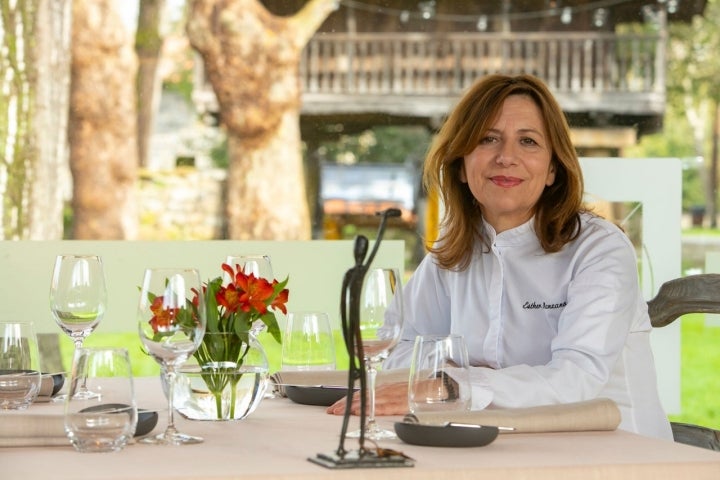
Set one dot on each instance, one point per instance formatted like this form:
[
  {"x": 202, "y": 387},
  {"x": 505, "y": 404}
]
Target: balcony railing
[{"x": 586, "y": 70}]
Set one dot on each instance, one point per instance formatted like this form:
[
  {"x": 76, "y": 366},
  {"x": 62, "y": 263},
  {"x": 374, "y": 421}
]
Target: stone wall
[{"x": 184, "y": 203}]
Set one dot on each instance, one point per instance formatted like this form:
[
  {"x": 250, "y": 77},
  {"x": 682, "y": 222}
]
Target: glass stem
[
  {"x": 170, "y": 377},
  {"x": 371, "y": 374},
  {"x": 78, "y": 341}
]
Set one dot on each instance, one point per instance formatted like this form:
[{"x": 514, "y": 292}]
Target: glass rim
[
  {"x": 174, "y": 269},
  {"x": 308, "y": 312},
  {"x": 439, "y": 336},
  {"x": 98, "y": 348}
]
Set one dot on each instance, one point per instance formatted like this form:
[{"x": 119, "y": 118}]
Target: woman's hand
[{"x": 390, "y": 399}]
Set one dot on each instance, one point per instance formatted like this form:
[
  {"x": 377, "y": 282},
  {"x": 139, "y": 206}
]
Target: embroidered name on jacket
[{"x": 543, "y": 305}]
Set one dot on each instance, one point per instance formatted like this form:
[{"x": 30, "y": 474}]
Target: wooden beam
[{"x": 609, "y": 137}]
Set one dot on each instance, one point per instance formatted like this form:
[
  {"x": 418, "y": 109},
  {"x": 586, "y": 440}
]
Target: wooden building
[{"x": 405, "y": 62}]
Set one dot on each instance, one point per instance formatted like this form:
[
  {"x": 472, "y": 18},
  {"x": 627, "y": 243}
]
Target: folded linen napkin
[
  {"x": 47, "y": 385},
  {"x": 23, "y": 430},
  {"x": 597, "y": 414},
  {"x": 328, "y": 378}
]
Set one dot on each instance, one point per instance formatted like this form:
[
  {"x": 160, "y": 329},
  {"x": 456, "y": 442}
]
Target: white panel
[
  {"x": 316, "y": 269},
  {"x": 657, "y": 184}
]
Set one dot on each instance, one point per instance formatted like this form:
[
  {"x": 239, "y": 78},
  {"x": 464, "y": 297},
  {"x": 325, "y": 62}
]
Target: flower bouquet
[{"x": 232, "y": 309}]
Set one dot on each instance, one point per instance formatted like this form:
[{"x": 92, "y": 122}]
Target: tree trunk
[
  {"x": 33, "y": 102},
  {"x": 712, "y": 206},
  {"x": 251, "y": 58},
  {"x": 267, "y": 183},
  {"x": 148, "y": 45},
  {"x": 103, "y": 146}
]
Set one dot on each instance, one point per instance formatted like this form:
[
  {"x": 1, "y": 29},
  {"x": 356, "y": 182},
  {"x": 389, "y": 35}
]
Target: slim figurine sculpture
[{"x": 350, "y": 322}]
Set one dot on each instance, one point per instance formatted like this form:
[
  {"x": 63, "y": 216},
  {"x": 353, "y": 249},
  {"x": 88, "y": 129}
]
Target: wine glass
[
  {"x": 171, "y": 323},
  {"x": 257, "y": 264},
  {"x": 109, "y": 425},
  {"x": 260, "y": 266},
  {"x": 308, "y": 342},
  {"x": 78, "y": 299},
  {"x": 379, "y": 333},
  {"x": 19, "y": 365},
  {"x": 439, "y": 375}
]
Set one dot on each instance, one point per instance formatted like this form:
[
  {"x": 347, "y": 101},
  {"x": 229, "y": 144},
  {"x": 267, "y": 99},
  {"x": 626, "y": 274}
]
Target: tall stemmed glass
[
  {"x": 78, "y": 299},
  {"x": 379, "y": 334},
  {"x": 261, "y": 267},
  {"x": 257, "y": 264},
  {"x": 171, "y": 323}
]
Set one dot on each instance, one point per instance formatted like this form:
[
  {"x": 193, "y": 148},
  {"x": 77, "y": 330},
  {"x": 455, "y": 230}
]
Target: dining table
[{"x": 280, "y": 438}]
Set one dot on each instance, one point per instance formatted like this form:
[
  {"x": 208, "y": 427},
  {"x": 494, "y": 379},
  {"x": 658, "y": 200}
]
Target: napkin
[
  {"x": 331, "y": 378},
  {"x": 47, "y": 384},
  {"x": 23, "y": 430},
  {"x": 597, "y": 414}
]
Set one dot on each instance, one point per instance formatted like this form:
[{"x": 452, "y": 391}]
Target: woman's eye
[
  {"x": 528, "y": 141},
  {"x": 488, "y": 139}
]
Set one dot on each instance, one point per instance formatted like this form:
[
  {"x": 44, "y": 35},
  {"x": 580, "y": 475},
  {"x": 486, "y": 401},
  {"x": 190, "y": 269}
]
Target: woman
[{"x": 545, "y": 293}]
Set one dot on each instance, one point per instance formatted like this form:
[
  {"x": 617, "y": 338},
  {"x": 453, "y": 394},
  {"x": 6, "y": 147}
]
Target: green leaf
[
  {"x": 280, "y": 286},
  {"x": 272, "y": 325},
  {"x": 242, "y": 329},
  {"x": 211, "y": 305}
]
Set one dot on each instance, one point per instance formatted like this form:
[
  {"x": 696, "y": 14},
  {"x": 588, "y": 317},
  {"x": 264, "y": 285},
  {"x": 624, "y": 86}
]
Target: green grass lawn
[
  {"x": 700, "y": 378},
  {"x": 701, "y": 232},
  {"x": 700, "y": 365},
  {"x": 143, "y": 365}
]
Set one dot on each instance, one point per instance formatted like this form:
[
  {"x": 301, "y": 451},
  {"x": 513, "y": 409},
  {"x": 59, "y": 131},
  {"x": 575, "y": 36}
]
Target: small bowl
[
  {"x": 321, "y": 396},
  {"x": 147, "y": 419},
  {"x": 446, "y": 435}
]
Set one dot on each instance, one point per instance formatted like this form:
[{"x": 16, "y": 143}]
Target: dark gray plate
[
  {"x": 322, "y": 396},
  {"x": 445, "y": 436},
  {"x": 57, "y": 378},
  {"x": 58, "y": 381},
  {"x": 147, "y": 419}
]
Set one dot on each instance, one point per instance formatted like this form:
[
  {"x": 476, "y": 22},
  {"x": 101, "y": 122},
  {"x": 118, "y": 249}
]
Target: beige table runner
[
  {"x": 22, "y": 430},
  {"x": 590, "y": 415}
]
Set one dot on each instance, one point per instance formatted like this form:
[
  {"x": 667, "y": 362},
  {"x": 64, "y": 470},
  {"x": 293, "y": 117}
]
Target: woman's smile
[{"x": 505, "y": 182}]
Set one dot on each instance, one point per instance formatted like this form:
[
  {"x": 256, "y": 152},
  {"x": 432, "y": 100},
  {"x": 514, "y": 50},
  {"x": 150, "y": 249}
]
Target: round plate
[
  {"x": 321, "y": 396},
  {"x": 147, "y": 419},
  {"x": 445, "y": 436},
  {"x": 58, "y": 381},
  {"x": 57, "y": 378}
]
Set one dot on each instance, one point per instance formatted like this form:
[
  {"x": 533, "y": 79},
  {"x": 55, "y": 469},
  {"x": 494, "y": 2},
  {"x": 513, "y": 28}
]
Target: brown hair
[{"x": 557, "y": 219}]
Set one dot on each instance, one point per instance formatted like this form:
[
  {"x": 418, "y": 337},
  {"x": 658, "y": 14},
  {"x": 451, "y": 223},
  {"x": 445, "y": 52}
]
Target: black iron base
[{"x": 369, "y": 459}]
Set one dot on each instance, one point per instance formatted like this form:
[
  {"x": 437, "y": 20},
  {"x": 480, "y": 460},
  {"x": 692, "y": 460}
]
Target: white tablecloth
[{"x": 277, "y": 439}]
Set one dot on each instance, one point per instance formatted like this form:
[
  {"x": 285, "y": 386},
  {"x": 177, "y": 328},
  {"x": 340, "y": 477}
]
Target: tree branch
[{"x": 308, "y": 20}]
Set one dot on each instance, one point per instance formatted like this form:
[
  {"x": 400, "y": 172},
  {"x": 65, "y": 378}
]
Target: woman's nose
[{"x": 506, "y": 155}]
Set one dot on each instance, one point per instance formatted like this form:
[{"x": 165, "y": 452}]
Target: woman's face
[{"x": 509, "y": 169}]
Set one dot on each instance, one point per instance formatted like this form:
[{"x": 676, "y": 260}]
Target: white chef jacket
[{"x": 544, "y": 328}]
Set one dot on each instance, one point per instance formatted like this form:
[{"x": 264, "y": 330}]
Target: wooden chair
[{"x": 691, "y": 294}]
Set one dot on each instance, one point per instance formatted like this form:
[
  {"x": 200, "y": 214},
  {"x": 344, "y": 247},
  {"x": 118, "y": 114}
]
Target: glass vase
[{"x": 225, "y": 380}]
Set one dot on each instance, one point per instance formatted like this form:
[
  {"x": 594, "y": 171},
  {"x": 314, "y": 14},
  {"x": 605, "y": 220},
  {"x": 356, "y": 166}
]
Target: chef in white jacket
[{"x": 545, "y": 293}]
